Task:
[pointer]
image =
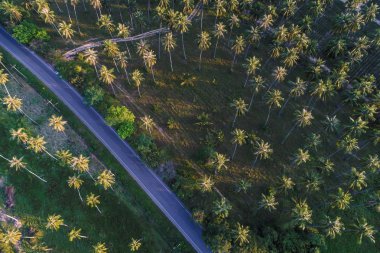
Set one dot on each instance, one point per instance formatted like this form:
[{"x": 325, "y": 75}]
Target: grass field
[{"x": 126, "y": 212}]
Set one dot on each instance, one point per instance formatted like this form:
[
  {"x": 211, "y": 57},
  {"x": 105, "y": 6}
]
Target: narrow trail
[{"x": 70, "y": 54}]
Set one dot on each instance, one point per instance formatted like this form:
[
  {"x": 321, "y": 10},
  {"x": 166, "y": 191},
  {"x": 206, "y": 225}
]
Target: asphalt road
[{"x": 160, "y": 194}]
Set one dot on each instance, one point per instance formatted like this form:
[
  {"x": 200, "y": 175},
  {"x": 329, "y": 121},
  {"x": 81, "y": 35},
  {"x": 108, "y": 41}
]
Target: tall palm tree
[
  {"x": 263, "y": 151},
  {"x": 298, "y": 89},
  {"x": 268, "y": 201},
  {"x": 251, "y": 66},
  {"x": 97, "y": 5},
  {"x": 303, "y": 118},
  {"x": 137, "y": 78},
  {"x": 257, "y": 85},
  {"x": 10, "y": 236},
  {"x": 286, "y": 184},
  {"x": 75, "y": 234},
  {"x": 363, "y": 229},
  {"x": 5, "y": 67},
  {"x": 182, "y": 26},
  {"x": 100, "y": 248},
  {"x": 342, "y": 199},
  {"x": 105, "y": 22},
  {"x": 68, "y": 10},
  {"x": 241, "y": 234},
  {"x": 80, "y": 163},
  {"x": 266, "y": 21},
  {"x": 203, "y": 2},
  {"x": 237, "y": 48},
  {"x": 76, "y": 183},
  {"x": 20, "y": 135},
  {"x": 15, "y": 104},
  {"x": 112, "y": 50},
  {"x": 254, "y": 36},
  {"x": 18, "y": 164},
  {"x": 106, "y": 179},
  {"x": 92, "y": 200},
  {"x": 107, "y": 76},
  {"x": 148, "y": 123},
  {"x": 122, "y": 60},
  {"x": 4, "y": 80},
  {"x": 135, "y": 245},
  {"x": 233, "y": 22},
  {"x": 206, "y": 184},
  {"x": 219, "y": 161},
  {"x": 204, "y": 43},
  {"x": 37, "y": 145},
  {"x": 169, "y": 45},
  {"x": 49, "y": 17},
  {"x": 74, "y": 4},
  {"x": 302, "y": 214},
  {"x": 54, "y": 222},
  {"x": 274, "y": 99},
  {"x": 57, "y": 123},
  {"x": 301, "y": 156},
  {"x": 358, "y": 179},
  {"x": 240, "y": 108},
  {"x": 220, "y": 9},
  {"x": 91, "y": 57},
  {"x": 124, "y": 31},
  {"x": 239, "y": 138},
  {"x": 151, "y": 60},
  {"x": 219, "y": 32},
  {"x": 12, "y": 10},
  {"x": 333, "y": 227}
]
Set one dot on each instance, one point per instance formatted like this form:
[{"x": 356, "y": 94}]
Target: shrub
[
  {"x": 27, "y": 32},
  {"x": 122, "y": 119},
  {"x": 149, "y": 151},
  {"x": 94, "y": 95}
]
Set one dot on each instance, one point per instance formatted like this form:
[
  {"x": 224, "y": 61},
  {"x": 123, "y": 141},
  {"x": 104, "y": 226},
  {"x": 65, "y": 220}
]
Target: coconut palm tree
[
  {"x": 254, "y": 37},
  {"x": 363, "y": 229},
  {"x": 100, "y": 248},
  {"x": 262, "y": 150},
  {"x": 233, "y": 22},
  {"x": 10, "y": 236},
  {"x": 301, "y": 156},
  {"x": 182, "y": 26},
  {"x": 219, "y": 161},
  {"x": 49, "y": 17},
  {"x": 279, "y": 74},
  {"x": 257, "y": 85},
  {"x": 237, "y": 48},
  {"x": 54, "y": 222},
  {"x": 240, "y": 108},
  {"x": 269, "y": 201},
  {"x": 4, "y": 78},
  {"x": 20, "y": 135},
  {"x": 105, "y": 22},
  {"x": 358, "y": 179},
  {"x": 80, "y": 163},
  {"x": 342, "y": 199},
  {"x": 106, "y": 179},
  {"x": 302, "y": 214},
  {"x": 124, "y": 31},
  {"x": 13, "y": 11},
  {"x": 37, "y": 145},
  {"x": 203, "y": 2},
  {"x": 74, "y": 4},
  {"x": 137, "y": 78},
  {"x": 14, "y": 104},
  {"x": 135, "y": 245},
  {"x": 298, "y": 89},
  {"x": 75, "y": 234},
  {"x": 91, "y": 57},
  {"x": 65, "y": 156},
  {"x": 151, "y": 60},
  {"x": 222, "y": 208},
  {"x": 332, "y": 124},
  {"x": 220, "y": 9},
  {"x": 75, "y": 182},
  {"x": 57, "y": 123},
  {"x": 107, "y": 76},
  {"x": 267, "y": 21},
  {"x": 303, "y": 118},
  {"x": 239, "y": 138},
  {"x": 333, "y": 227},
  {"x": 274, "y": 99},
  {"x": 219, "y": 32},
  {"x": 204, "y": 43},
  {"x": 251, "y": 66},
  {"x": 206, "y": 184},
  {"x": 92, "y": 200},
  {"x": 97, "y": 5},
  {"x": 147, "y": 122},
  {"x": 169, "y": 45},
  {"x": 286, "y": 184},
  {"x": 241, "y": 234},
  {"x": 18, "y": 164},
  {"x": 123, "y": 63},
  {"x": 112, "y": 50}
]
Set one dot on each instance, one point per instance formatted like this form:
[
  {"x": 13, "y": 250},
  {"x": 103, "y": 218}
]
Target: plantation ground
[
  {"x": 213, "y": 89},
  {"x": 126, "y": 212}
]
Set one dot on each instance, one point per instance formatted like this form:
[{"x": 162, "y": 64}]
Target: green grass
[{"x": 127, "y": 212}]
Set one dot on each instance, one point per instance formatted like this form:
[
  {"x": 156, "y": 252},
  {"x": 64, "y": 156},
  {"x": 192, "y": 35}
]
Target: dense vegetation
[{"x": 267, "y": 111}]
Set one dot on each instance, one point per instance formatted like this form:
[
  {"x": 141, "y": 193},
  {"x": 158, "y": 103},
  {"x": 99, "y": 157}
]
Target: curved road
[{"x": 161, "y": 195}]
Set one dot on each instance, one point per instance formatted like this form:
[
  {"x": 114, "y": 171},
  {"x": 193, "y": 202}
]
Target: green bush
[
  {"x": 122, "y": 119},
  {"x": 93, "y": 95},
  {"x": 27, "y": 32},
  {"x": 149, "y": 151}
]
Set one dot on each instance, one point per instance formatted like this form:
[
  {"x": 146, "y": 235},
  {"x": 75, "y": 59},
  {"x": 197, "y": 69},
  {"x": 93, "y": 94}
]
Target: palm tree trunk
[
  {"x": 55, "y": 27},
  {"x": 247, "y": 51},
  {"x": 80, "y": 195},
  {"x": 229, "y": 38},
  {"x": 236, "y": 114},
  {"x": 138, "y": 90},
  {"x": 148, "y": 11},
  {"x": 68, "y": 11},
  {"x": 96, "y": 71},
  {"x": 269, "y": 111},
  {"x": 84, "y": 5},
  {"x": 127, "y": 76},
  {"x": 129, "y": 52},
  {"x": 283, "y": 107},
  {"x": 159, "y": 42},
  {"x": 251, "y": 101},
  {"x": 216, "y": 46},
  {"x": 48, "y": 153},
  {"x": 26, "y": 115},
  {"x": 14, "y": 78},
  {"x": 151, "y": 69},
  {"x": 233, "y": 154},
  {"x": 37, "y": 176},
  {"x": 76, "y": 18},
  {"x": 59, "y": 9},
  {"x": 288, "y": 134},
  {"x": 114, "y": 62},
  {"x": 202, "y": 18},
  {"x": 255, "y": 161},
  {"x": 6, "y": 89},
  {"x": 246, "y": 80},
  {"x": 183, "y": 47},
  {"x": 233, "y": 62},
  {"x": 170, "y": 58},
  {"x": 200, "y": 60}
]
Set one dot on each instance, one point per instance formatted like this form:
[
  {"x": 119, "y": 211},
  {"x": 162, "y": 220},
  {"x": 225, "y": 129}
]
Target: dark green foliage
[
  {"x": 94, "y": 95},
  {"x": 149, "y": 151},
  {"x": 27, "y": 32},
  {"x": 122, "y": 119},
  {"x": 78, "y": 73}
]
